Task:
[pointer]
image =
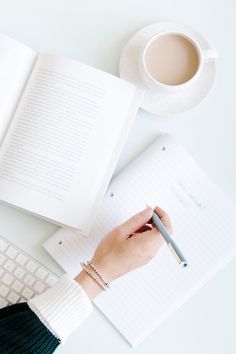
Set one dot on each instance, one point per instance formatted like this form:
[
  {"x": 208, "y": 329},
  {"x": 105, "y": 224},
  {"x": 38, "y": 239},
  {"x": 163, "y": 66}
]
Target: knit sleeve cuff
[{"x": 62, "y": 308}]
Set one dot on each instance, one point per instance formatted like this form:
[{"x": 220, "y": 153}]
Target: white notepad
[{"x": 204, "y": 226}]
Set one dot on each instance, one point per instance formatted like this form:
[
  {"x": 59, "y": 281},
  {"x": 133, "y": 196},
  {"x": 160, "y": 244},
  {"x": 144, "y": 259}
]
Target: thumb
[{"x": 136, "y": 222}]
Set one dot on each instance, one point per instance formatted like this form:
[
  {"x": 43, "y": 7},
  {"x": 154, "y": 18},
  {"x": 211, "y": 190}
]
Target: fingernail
[{"x": 148, "y": 211}]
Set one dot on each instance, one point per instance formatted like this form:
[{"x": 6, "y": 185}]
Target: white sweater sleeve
[{"x": 62, "y": 308}]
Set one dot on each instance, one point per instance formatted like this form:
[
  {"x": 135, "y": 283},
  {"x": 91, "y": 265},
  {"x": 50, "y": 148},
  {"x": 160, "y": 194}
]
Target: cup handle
[{"x": 209, "y": 54}]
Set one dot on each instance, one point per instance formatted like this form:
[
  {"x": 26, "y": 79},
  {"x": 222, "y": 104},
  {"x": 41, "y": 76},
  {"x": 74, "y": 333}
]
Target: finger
[
  {"x": 146, "y": 227},
  {"x": 164, "y": 218},
  {"x": 136, "y": 222},
  {"x": 150, "y": 238},
  {"x": 154, "y": 234}
]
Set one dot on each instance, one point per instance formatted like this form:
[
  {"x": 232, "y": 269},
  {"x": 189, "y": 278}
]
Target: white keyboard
[{"x": 21, "y": 277}]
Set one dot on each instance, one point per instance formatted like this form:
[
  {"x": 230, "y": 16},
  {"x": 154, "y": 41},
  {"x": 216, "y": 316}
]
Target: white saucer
[{"x": 165, "y": 103}]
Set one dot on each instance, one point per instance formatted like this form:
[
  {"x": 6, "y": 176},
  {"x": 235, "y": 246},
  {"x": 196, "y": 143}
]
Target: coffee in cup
[{"x": 172, "y": 60}]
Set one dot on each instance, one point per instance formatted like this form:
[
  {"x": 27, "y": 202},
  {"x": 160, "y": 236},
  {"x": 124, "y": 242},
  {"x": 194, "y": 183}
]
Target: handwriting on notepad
[{"x": 185, "y": 195}]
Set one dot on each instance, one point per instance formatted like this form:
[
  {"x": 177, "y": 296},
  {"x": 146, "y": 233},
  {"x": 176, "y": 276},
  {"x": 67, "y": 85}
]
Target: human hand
[{"x": 128, "y": 246}]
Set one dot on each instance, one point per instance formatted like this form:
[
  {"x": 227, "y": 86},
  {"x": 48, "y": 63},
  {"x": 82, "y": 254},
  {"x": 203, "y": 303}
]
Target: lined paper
[
  {"x": 67, "y": 133},
  {"x": 204, "y": 229}
]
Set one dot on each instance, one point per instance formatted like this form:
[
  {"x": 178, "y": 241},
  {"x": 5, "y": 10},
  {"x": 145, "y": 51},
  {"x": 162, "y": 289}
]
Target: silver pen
[{"x": 170, "y": 243}]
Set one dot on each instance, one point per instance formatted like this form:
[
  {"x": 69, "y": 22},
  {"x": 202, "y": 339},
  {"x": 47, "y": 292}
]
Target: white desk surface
[{"x": 95, "y": 32}]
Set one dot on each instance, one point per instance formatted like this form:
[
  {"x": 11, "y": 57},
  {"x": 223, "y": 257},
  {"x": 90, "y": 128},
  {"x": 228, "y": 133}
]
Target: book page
[
  {"x": 204, "y": 227},
  {"x": 66, "y": 131},
  {"x": 16, "y": 62}
]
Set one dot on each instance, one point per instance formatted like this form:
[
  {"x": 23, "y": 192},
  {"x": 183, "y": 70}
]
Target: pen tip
[{"x": 184, "y": 264}]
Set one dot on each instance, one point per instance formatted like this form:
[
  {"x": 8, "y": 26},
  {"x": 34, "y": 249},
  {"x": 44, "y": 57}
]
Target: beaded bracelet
[
  {"x": 96, "y": 279},
  {"x": 105, "y": 283}
]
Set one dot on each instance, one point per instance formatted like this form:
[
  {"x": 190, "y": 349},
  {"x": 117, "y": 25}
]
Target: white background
[{"x": 95, "y": 32}]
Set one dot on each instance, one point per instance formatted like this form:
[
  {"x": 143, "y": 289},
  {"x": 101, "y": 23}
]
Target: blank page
[{"x": 204, "y": 229}]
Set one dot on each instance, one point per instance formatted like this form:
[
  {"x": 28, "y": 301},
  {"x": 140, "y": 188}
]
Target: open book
[
  {"x": 204, "y": 226},
  {"x": 62, "y": 128}
]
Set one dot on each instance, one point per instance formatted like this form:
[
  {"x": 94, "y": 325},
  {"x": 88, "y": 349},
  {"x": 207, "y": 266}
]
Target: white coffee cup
[{"x": 172, "y": 61}]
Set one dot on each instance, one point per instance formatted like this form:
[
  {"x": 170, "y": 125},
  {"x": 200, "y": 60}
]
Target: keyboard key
[
  {"x": 31, "y": 266},
  {"x": 3, "y": 245},
  {"x": 11, "y": 252},
  {"x": 7, "y": 279},
  {"x": 17, "y": 286},
  {"x": 39, "y": 287},
  {"x": 50, "y": 280},
  {"x": 9, "y": 265},
  {"x": 2, "y": 259},
  {"x": 41, "y": 273},
  {"x": 27, "y": 293},
  {"x": 4, "y": 290},
  {"x": 21, "y": 277},
  {"x": 19, "y": 272},
  {"x": 29, "y": 280},
  {"x": 13, "y": 297},
  {"x": 21, "y": 259},
  {"x": 3, "y": 303}
]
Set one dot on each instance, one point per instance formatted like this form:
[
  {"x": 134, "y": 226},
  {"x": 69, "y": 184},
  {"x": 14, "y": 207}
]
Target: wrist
[
  {"x": 91, "y": 288},
  {"x": 105, "y": 269}
]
